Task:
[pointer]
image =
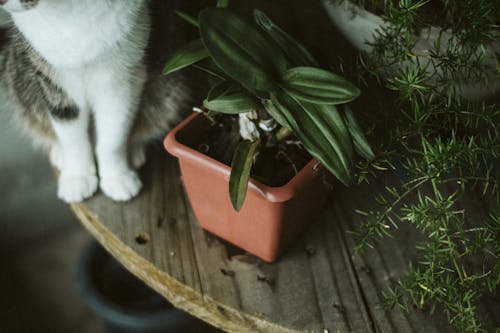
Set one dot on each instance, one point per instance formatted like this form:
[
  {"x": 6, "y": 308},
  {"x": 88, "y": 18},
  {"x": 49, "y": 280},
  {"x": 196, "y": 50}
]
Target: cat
[{"x": 74, "y": 65}]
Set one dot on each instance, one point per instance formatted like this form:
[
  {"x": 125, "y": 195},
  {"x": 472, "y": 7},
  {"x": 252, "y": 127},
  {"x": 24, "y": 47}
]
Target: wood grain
[{"x": 318, "y": 285}]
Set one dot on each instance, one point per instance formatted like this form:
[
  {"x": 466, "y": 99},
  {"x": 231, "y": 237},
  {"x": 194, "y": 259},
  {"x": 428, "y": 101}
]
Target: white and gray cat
[{"x": 69, "y": 62}]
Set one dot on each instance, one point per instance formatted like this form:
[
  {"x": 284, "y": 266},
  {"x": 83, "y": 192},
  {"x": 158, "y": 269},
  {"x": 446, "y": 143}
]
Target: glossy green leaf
[
  {"x": 187, "y": 55},
  {"x": 331, "y": 126},
  {"x": 240, "y": 172},
  {"x": 274, "y": 112},
  {"x": 230, "y": 98},
  {"x": 360, "y": 143},
  {"x": 319, "y": 86},
  {"x": 188, "y": 18},
  {"x": 295, "y": 52},
  {"x": 241, "y": 49},
  {"x": 336, "y": 128},
  {"x": 318, "y": 132},
  {"x": 208, "y": 66}
]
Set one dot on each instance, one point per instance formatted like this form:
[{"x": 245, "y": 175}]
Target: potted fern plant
[{"x": 271, "y": 87}]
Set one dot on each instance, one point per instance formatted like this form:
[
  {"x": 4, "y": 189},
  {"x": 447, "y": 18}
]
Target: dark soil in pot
[{"x": 273, "y": 166}]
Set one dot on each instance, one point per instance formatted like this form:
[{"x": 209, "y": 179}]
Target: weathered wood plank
[
  {"x": 318, "y": 285},
  {"x": 340, "y": 297},
  {"x": 157, "y": 237}
]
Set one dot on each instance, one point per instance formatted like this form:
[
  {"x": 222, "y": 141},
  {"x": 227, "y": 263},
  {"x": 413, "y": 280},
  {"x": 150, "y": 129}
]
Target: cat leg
[
  {"x": 115, "y": 100},
  {"x": 117, "y": 180},
  {"x": 78, "y": 178}
]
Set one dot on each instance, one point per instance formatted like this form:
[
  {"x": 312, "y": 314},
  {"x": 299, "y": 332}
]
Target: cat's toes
[
  {"x": 121, "y": 187},
  {"x": 138, "y": 157},
  {"x": 76, "y": 188},
  {"x": 56, "y": 156}
]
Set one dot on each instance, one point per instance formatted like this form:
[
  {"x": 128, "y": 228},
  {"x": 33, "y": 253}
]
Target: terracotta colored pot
[{"x": 270, "y": 218}]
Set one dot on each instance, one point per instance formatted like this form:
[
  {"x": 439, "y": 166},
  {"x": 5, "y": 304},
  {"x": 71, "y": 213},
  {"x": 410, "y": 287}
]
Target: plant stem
[{"x": 282, "y": 134}]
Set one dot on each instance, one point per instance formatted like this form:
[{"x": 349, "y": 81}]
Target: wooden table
[{"x": 318, "y": 285}]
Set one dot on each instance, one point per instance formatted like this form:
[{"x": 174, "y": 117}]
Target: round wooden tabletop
[{"x": 318, "y": 285}]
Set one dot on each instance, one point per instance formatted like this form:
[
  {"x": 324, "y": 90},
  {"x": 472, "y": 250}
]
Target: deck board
[{"x": 318, "y": 285}]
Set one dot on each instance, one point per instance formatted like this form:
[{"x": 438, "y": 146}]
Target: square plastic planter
[{"x": 270, "y": 218}]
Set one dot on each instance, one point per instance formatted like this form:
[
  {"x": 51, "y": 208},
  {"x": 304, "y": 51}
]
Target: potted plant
[
  {"x": 272, "y": 87},
  {"x": 362, "y": 22},
  {"x": 447, "y": 144}
]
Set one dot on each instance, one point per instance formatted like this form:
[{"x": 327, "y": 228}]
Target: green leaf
[
  {"x": 319, "y": 86},
  {"x": 274, "y": 112},
  {"x": 336, "y": 129},
  {"x": 319, "y": 133},
  {"x": 188, "y": 18},
  {"x": 240, "y": 172},
  {"x": 295, "y": 52},
  {"x": 241, "y": 49},
  {"x": 189, "y": 54},
  {"x": 360, "y": 143},
  {"x": 230, "y": 98},
  {"x": 208, "y": 66}
]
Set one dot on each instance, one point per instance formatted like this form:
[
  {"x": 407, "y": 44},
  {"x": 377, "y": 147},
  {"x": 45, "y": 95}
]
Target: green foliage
[
  {"x": 191, "y": 53},
  {"x": 360, "y": 143},
  {"x": 241, "y": 50},
  {"x": 321, "y": 130},
  {"x": 296, "y": 54},
  {"x": 240, "y": 172},
  {"x": 448, "y": 147},
  {"x": 261, "y": 67},
  {"x": 318, "y": 86},
  {"x": 230, "y": 98},
  {"x": 188, "y": 18}
]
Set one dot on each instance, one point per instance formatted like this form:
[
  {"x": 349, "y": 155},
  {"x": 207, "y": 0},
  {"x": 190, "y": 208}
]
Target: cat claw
[
  {"x": 76, "y": 188},
  {"x": 121, "y": 187}
]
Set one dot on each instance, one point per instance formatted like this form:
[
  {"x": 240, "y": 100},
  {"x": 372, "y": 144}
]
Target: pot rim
[{"x": 270, "y": 193}]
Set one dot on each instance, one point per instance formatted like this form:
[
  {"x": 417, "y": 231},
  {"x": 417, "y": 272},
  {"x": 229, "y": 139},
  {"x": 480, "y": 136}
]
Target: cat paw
[
  {"x": 138, "y": 156},
  {"x": 121, "y": 187},
  {"x": 76, "y": 188}
]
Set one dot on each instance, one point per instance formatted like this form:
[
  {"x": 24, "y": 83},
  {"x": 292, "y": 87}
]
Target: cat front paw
[
  {"x": 76, "y": 188},
  {"x": 122, "y": 186}
]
